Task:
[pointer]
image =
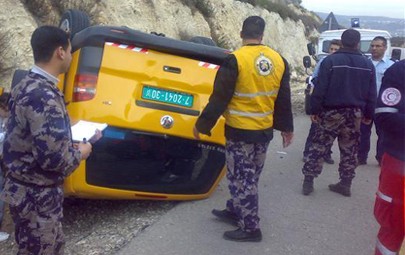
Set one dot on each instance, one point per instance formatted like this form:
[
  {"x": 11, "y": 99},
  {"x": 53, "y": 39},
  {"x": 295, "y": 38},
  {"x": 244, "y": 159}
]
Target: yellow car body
[{"x": 150, "y": 91}]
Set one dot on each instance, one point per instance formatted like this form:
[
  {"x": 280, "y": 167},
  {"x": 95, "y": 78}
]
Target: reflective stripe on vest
[
  {"x": 251, "y": 114},
  {"x": 386, "y": 109},
  {"x": 384, "y": 197},
  {"x": 251, "y": 95},
  {"x": 384, "y": 250}
]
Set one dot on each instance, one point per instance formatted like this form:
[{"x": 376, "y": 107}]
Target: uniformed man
[
  {"x": 389, "y": 203},
  {"x": 344, "y": 96},
  {"x": 381, "y": 63},
  {"x": 252, "y": 92},
  {"x": 333, "y": 47},
  {"x": 38, "y": 148},
  {"x": 4, "y": 97}
]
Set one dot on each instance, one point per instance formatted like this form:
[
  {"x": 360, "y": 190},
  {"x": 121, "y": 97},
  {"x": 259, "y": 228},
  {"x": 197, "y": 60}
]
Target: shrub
[
  {"x": 3, "y": 51},
  {"x": 398, "y": 41},
  {"x": 285, "y": 12},
  {"x": 252, "y": 2},
  {"x": 199, "y": 5}
]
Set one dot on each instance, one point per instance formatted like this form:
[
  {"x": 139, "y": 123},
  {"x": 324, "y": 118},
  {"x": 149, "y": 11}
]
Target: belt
[{"x": 342, "y": 107}]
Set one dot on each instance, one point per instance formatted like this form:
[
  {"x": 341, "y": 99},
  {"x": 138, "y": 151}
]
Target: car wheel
[
  {"x": 203, "y": 40},
  {"x": 74, "y": 21}
]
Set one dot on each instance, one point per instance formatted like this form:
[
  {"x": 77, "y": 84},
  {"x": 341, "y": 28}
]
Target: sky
[{"x": 385, "y": 8}]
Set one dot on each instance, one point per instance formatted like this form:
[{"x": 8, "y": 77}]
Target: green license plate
[{"x": 167, "y": 96}]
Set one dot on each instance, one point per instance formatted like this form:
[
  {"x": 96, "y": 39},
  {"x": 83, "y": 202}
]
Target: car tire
[
  {"x": 18, "y": 75},
  {"x": 74, "y": 21},
  {"x": 203, "y": 40}
]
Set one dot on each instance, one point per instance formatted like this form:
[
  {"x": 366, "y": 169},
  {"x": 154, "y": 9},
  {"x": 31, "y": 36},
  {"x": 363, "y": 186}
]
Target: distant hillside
[{"x": 396, "y": 27}]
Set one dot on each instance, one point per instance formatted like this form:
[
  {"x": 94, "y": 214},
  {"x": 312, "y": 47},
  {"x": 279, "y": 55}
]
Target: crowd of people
[{"x": 252, "y": 92}]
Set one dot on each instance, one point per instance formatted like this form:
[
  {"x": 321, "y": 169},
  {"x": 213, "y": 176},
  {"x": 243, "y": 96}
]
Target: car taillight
[{"x": 85, "y": 87}]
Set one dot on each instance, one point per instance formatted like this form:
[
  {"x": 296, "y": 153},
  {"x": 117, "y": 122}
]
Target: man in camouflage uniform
[
  {"x": 38, "y": 148},
  {"x": 251, "y": 89},
  {"x": 344, "y": 96}
]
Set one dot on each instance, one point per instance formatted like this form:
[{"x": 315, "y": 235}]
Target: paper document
[{"x": 86, "y": 129}]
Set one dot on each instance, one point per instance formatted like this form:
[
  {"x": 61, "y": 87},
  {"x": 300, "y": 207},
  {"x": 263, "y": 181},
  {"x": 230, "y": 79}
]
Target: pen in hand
[{"x": 85, "y": 149}]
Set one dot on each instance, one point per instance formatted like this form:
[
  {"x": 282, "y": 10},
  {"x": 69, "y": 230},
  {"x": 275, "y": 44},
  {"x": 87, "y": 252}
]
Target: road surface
[{"x": 324, "y": 223}]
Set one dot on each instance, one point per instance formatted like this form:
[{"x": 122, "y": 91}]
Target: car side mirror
[
  {"x": 306, "y": 61},
  {"x": 311, "y": 49}
]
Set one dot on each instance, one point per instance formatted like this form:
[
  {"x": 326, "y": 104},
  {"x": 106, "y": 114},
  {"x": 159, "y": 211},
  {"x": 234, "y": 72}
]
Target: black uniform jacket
[
  {"x": 390, "y": 111},
  {"x": 346, "y": 79}
]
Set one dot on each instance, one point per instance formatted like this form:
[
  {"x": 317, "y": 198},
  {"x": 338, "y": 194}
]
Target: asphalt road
[{"x": 322, "y": 223}]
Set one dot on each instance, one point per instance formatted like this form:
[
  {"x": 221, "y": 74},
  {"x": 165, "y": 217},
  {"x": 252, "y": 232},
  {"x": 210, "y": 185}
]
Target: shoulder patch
[
  {"x": 264, "y": 65},
  {"x": 391, "y": 96}
]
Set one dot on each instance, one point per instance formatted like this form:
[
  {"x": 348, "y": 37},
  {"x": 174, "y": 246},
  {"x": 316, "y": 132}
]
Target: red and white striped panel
[
  {"x": 128, "y": 47},
  {"x": 208, "y": 65}
]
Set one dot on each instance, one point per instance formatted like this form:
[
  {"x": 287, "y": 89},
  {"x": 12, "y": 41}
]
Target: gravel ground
[
  {"x": 102, "y": 227},
  {"x": 95, "y": 227}
]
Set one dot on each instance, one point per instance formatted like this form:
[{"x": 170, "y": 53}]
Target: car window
[{"x": 365, "y": 46}]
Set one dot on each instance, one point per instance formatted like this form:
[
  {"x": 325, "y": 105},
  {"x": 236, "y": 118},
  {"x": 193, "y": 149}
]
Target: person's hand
[
  {"x": 85, "y": 149},
  {"x": 366, "y": 121},
  {"x": 97, "y": 136},
  {"x": 315, "y": 118},
  {"x": 287, "y": 138},
  {"x": 196, "y": 133}
]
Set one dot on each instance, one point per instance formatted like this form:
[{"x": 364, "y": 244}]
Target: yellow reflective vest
[{"x": 260, "y": 70}]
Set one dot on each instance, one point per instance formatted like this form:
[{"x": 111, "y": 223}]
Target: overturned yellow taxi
[{"x": 149, "y": 89}]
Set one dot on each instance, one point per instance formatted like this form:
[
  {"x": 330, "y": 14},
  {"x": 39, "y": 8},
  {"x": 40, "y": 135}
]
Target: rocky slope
[{"x": 179, "y": 19}]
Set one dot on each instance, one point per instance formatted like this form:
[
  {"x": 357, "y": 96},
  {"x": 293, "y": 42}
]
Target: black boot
[
  {"x": 239, "y": 235},
  {"x": 226, "y": 216},
  {"x": 342, "y": 187},
  {"x": 308, "y": 185}
]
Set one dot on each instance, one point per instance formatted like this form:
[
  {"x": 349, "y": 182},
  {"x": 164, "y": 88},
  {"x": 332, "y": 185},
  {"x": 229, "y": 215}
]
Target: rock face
[{"x": 181, "y": 19}]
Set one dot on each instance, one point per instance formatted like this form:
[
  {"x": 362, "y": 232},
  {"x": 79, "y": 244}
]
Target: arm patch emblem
[{"x": 391, "y": 96}]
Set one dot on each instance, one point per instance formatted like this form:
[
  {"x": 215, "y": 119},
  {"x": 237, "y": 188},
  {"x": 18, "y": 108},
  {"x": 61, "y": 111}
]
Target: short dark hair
[
  {"x": 350, "y": 38},
  {"x": 45, "y": 40},
  {"x": 253, "y": 27},
  {"x": 381, "y": 38},
  {"x": 336, "y": 42}
]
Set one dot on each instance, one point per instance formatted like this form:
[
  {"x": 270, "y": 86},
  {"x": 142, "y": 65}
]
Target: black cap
[
  {"x": 253, "y": 27},
  {"x": 350, "y": 38}
]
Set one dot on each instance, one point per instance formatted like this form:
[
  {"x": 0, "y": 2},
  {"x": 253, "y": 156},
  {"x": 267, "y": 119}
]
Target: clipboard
[{"x": 86, "y": 130}]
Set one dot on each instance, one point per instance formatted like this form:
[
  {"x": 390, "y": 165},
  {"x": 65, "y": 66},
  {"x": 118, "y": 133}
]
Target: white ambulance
[{"x": 367, "y": 35}]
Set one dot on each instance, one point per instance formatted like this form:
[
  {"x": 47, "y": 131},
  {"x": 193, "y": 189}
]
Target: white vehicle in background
[
  {"x": 321, "y": 50},
  {"x": 397, "y": 53},
  {"x": 367, "y": 35}
]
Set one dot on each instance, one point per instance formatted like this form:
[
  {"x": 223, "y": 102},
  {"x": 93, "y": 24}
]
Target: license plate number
[{"x": 167, "y": 96}]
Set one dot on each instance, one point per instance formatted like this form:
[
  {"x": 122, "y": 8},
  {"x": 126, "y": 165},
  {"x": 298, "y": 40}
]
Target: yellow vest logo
[{"x": 264, "y": 65}]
